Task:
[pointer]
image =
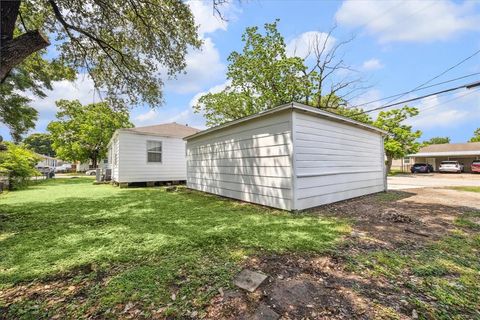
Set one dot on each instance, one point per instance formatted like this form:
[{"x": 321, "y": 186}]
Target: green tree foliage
[
  {"x": 82, "y": 133},
  {"x": 476, "y": 136},
  {"x": 264, "y": 76},
  {"x": 35, "y": 75},
  {"x": 20, "y": 163},
  {"x": 126, "y": 46},
  {"x": 437, "y": 140},
  {"x": 402, "y": 140},
  {"x": 40, "y": 143},
  {"x": 356, "y": 114}
]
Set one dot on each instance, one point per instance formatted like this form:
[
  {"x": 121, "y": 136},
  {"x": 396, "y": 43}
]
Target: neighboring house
[
  {"x": 84, "y": 166},
  {"x": 291, "y": 157},
  {"x": 434, "y": 154},
  {"x": 149, "y": 154},
  {"x": 401, "y": 164},
  {"x": 47, "y": 161}
]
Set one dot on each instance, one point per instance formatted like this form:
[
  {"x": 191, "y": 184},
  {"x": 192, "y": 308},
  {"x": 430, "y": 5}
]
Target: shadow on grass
[{"x": 40, "y": 238}]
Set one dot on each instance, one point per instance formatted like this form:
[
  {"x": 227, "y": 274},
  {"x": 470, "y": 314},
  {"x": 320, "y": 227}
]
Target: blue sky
[{"x": 398, "y": 45}]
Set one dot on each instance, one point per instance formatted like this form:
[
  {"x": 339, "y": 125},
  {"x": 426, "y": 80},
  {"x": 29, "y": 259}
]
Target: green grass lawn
[
  {"x": 444, "y": 276},
  {"x": 469, "y": 189},
  {"x": 138, "y": 246}
]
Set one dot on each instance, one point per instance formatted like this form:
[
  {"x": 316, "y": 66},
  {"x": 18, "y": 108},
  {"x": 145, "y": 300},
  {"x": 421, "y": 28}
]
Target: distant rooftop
[
  {"x": 470, "y": 148},
  {"x": 173, "y": 129}
]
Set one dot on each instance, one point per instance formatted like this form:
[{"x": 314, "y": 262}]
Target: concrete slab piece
[
  {"x": 264, "y": 312},
  {"x": 249, "y": 280}
]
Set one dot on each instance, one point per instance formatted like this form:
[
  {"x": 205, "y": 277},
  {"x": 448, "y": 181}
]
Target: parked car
[
  {"x": 475, "y": 167},
  {"x": 451, "y": 166},
  {"x": 91, "y": 172},
  {"x": 421, "y": 168},
  {"x": 63, "y": 168},
  {"x": 46, "y": 171}
]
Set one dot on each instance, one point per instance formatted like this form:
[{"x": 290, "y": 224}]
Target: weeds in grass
[
  {"x": 446, "y": 275},
  {"x": 142, "y": 245}
]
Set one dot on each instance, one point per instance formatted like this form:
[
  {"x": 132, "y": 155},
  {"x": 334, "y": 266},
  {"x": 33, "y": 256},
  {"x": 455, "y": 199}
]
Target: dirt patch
[{"x": 324, "y": 287}]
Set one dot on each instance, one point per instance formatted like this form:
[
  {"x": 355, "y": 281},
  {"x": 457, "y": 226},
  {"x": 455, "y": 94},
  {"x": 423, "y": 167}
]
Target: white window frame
[{"x": 156, "y": 152}]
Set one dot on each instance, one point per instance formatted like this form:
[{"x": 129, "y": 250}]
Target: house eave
[
  {"x": 292, "y": 106},
  {"x": 445, "y": 154}
]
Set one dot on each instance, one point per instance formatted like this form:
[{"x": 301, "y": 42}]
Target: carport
[{"x": 434, "y": 154}]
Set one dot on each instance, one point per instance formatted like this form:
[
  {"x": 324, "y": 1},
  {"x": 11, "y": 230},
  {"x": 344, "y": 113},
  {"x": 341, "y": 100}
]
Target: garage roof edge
[{"x": 292, "y": 106}]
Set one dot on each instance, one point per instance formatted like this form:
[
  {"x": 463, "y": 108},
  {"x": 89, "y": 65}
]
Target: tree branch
[
  {"x": 104, "y": 45},
  {"x": 16, "y": 50}
]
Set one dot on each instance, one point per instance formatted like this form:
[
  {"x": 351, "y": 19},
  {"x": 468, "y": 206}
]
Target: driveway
[{"x": 410, "y": 181}]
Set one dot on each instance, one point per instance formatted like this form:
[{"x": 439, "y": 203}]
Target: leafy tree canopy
[
  {"x": 402, "y": 140},
  {"x": 34, "y": 75},
  {"x": 476, "y": 136},
  {"x": 126, "y": 46},
  {"x": 20, "y": 163},
  {"x": 437, "y": 140},
  {"x": 264, "y": 76},
  {"x": 82, "y": 133},
  {"x": 40, "y": 143}
]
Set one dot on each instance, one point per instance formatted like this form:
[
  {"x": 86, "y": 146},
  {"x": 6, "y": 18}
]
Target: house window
[
  {"x": 154, "y": 151},
  {"x": 105, "y": 161},
  {"x": 406, "y": 160}
]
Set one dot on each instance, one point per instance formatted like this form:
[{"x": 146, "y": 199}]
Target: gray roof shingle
[
  {"x": 451, "y": 147},
  {"x": 173, "y": 129}
]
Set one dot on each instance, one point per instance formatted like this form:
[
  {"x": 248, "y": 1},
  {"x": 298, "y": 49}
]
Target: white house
[
  {"x": 46, "y": 161},
  {"x": 291, "y": 157},
  {"x": 149, "y": 154}
]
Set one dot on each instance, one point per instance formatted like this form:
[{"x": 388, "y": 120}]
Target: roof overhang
[
  {"x": 291, "y": 106},
  {"x": 446, "y": 154}
]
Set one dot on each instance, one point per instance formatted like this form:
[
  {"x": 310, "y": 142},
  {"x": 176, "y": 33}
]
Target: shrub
[{"x": 19, "y": 163}]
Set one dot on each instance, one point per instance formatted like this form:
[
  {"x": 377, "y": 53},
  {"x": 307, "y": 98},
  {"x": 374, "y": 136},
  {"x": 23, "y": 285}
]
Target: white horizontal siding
[
  {"x": 250, "y": 162},
  {"x": 114, "y": 150},
  {"x": 133, "y": 165},
  {"x": 334, "y": 161}
]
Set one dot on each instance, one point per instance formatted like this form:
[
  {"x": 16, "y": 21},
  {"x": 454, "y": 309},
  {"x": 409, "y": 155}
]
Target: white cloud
[
  {"x": 205, "y": 18},
  {"x": 370, "y": 95},
  {"x": 204, "y": 67},
  {"x": 414, "y": 20},
  {"x": 305, "y": 44},
  {"x": 146, "y": 117},
  {"x": 165, "y": 115},
  {"x": 81, "y": 89},
  {"x": 215, "y": 89},
  {"x": 446, "y": 112},
  {"x": 372, "y": 64}
]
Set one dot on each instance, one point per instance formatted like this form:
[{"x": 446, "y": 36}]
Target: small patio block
[{"x": 249, "y": 280}]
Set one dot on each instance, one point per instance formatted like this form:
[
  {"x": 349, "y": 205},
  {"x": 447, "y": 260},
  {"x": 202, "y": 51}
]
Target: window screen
[{"x": 154, "y": 151}]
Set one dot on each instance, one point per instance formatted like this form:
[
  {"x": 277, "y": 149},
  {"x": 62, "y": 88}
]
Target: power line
[
  {"x": 437, "y": 76},
  {"x": 450, "y": 100},
  {"x": 469, "y": 85},
  {"x": 403, "y": 93}
]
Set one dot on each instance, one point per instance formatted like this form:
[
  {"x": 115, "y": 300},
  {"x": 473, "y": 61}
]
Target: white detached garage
[{"x": 291, "y": 157}]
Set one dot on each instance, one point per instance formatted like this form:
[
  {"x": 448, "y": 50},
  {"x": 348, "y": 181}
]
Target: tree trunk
[
  {"x": 14, "y": 51},
  {"x": 389, "y": 163},
  {"x": 8, "y": 16},
  {"x": 94, "y": 160}
]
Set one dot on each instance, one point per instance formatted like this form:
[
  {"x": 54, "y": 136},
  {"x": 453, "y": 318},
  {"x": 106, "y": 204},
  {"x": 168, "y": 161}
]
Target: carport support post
[
  {"x": 97, "y": 175},
  {"x": 385, "y": 173}
]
